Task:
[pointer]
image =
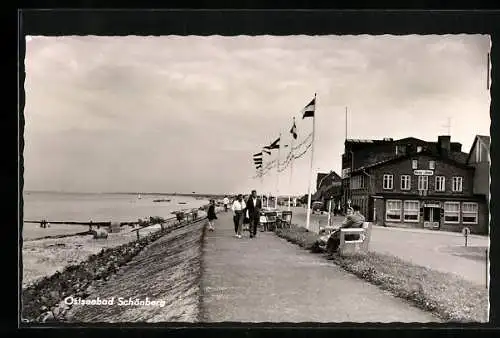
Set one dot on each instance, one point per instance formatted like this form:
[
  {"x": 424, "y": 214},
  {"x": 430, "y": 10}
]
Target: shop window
[
  {"x": 452, "y": 212},
  {"x": 393, "y": 210},
  {"x": 469, "y": 213},
  {"x": 410, "y": 211}
]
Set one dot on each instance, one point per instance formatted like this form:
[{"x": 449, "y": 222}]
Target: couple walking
[{"x": 252, "y": 206}]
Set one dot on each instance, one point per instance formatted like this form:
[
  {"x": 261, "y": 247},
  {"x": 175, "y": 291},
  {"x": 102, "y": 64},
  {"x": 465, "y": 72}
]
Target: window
[
  {"x": 388, "y": 181},
  {"x": 432, "y": 165},
  {"x": 393, "y": 210},
  {"x": 423, "y": 182},
  {"x": 414, "y": 164},
  {"x": 411, "y": 210},
  {"x": 439, "y": 184},
  {"x": 457, "y": 184},
  {"x": 357, "y": 182},
  {"x": 397, "y": 150},
  {"x": 419, "y": 149},
  {"x": 451, "y": 212},
  {"x": 469, "y": 213},
  {"x": 405, "y": 182}
]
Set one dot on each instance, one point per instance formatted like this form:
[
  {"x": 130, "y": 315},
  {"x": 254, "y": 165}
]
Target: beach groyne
[{"x": 165, "y": 264}]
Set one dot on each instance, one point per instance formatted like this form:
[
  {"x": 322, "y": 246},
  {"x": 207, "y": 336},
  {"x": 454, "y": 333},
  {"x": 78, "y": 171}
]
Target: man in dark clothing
[
  {"x": 254, "y": 204},
  {"x": 354, "y": 220}
]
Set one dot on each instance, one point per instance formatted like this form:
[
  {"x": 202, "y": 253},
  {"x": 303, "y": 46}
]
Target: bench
[
  {"x": 285, "y": 220},
  {"x": 360, "y": 245}
]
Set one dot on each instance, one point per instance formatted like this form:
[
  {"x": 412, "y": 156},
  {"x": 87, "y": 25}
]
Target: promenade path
[
  {"x": 438, "y": 250},
  {"x": 267, "y": 279}
]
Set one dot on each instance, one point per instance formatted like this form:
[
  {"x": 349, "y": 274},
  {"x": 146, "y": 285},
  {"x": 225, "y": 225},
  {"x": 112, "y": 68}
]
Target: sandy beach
[
  {"x": 33, "y": 231},
  {"x": 45, "y": 257}
]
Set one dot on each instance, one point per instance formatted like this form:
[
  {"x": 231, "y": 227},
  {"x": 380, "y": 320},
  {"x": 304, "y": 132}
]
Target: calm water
[{"x": 101, "y": 207}]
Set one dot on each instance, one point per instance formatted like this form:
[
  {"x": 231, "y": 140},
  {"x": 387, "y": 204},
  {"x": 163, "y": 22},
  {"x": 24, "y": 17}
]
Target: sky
[{"x": 186, "y": 113}]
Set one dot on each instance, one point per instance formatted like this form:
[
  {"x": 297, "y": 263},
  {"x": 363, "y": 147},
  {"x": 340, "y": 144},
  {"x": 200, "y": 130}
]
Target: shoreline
[
  {"x": 81, "y": 279},
  {"x": 42, "y": 257}
]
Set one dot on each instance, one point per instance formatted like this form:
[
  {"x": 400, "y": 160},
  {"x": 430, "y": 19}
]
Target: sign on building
[{"x": 423, "y": 172}]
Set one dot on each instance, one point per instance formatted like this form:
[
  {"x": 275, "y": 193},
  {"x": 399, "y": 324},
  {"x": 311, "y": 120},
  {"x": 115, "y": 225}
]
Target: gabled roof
[
  {"x": 409, "y": 156},
  {"x": 486, "y": 140}
]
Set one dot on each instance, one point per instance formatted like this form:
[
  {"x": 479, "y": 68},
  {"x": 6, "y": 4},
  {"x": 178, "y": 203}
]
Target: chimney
[
  {"x": 444, "y": 144},
  {"x": 456, "y": 147}
]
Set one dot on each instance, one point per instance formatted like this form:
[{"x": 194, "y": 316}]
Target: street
[{"x": 438, "y": 250}]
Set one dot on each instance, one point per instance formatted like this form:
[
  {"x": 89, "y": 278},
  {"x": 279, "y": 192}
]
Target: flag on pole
[
  {"x": 308, "y": 110},
  {"x": 275, "y": 144},
  {"x": 293, "y": 131}
]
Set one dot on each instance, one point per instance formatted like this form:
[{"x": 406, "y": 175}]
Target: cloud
[{"x": 186, "y": 113}]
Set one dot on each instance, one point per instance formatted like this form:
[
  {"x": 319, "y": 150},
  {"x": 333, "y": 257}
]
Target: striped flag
[
  {"x": 266, "y": 150},
  {"x": 275, "y": 144},
  {"x": 293, "y": 131},
  {"x": 257, "y": 155},
  {"x": 308, "y": 110}
]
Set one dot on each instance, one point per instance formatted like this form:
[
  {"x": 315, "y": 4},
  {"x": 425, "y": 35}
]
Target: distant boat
[
  {"x": 182, "y": 202},
  {"x": 161, "y": 200}
]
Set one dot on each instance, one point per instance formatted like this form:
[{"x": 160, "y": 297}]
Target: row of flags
[{"x": 307, "y": 111}]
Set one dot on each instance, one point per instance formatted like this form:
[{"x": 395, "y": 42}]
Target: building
[
  {"x": 359, "y": 153},
  {"x": 328, "y": 188},
  {"x": 413, "y": 183},
  {"x": 479, "y": 158}
]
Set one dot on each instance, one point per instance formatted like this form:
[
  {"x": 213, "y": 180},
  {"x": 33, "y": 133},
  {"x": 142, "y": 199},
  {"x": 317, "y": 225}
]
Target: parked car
[{"x": 316, "y": 206}]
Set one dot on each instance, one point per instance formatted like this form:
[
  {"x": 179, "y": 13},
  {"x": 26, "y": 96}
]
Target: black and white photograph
[{"x": 256, "y": 179}]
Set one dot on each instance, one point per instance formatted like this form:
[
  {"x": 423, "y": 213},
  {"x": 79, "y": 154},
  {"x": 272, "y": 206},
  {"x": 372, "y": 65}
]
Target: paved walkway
[
  {"x": 438, "y": 250},
  {"x": 267, "y": 279}
]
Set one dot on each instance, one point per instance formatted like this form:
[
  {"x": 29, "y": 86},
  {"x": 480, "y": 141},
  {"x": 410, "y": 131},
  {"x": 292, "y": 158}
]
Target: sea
[{"x": 98, "y": 207}]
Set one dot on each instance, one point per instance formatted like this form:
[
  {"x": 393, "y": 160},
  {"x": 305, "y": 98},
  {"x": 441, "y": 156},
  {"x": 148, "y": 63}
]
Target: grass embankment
[
  {"x": 43, "y": 301},
  {"x": 447, "y": 296}
]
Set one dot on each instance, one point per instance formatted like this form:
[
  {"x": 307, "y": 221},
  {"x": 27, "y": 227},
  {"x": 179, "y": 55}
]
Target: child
[{"x": 211, "y": 215}]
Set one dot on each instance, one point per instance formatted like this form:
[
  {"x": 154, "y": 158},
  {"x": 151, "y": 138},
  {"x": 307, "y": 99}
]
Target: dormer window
[{"x": 419, "y": 149}]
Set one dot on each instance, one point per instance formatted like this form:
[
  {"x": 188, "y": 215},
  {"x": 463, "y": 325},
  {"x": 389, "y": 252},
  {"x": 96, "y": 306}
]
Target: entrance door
[{"x": 432, "y": 217}]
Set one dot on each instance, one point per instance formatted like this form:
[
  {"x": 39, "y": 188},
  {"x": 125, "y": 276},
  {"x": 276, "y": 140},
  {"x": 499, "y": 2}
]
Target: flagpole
[
  {"x": 308, "y": 220},
  {"x": 278, "y": 173},
  {"x": 291, "y": 173}
]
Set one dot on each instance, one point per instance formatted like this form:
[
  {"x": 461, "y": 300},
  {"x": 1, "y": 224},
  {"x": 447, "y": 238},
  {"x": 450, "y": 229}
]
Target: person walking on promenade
[
  {"x": 254, "y": 204},
  {"x": 354, "y": 220},
  {"x": 225, "y": 201},
  {"x": 238, "y": 214},
  {"x": 211, "y": 215}
]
